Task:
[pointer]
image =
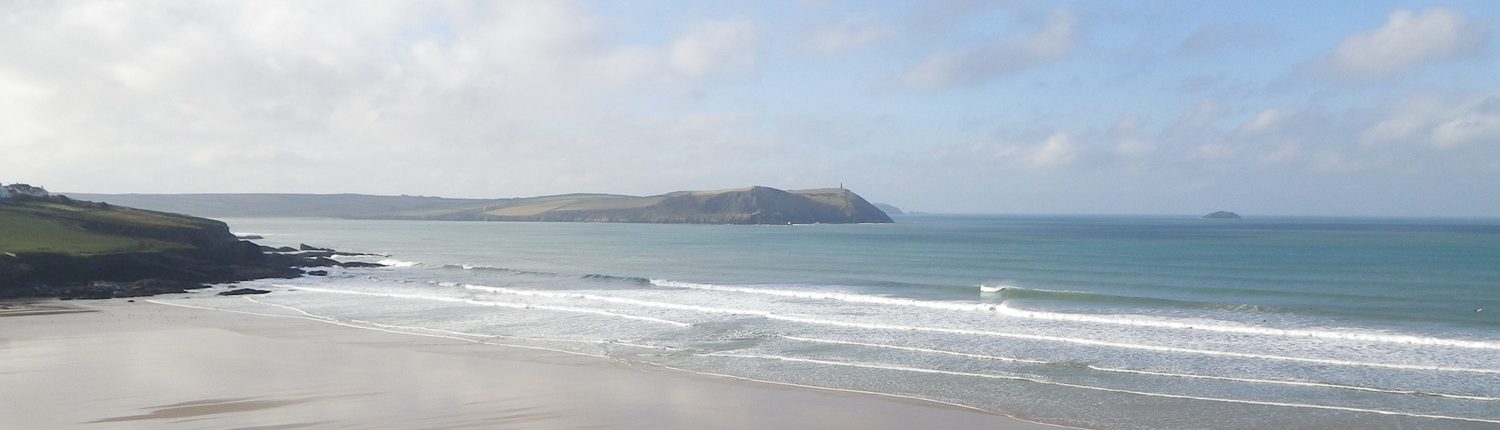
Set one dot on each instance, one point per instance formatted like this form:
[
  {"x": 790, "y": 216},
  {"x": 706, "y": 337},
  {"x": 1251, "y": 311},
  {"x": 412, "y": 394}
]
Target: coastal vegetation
[{"x": 56, "y": 246}]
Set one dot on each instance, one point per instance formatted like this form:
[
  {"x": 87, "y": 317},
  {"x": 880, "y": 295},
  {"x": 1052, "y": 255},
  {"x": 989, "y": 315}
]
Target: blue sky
[{"x": 1331, "y": 108}]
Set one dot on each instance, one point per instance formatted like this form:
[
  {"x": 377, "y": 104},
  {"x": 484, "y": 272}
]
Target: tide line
[
  {"x": 1090, "y": 387},
  {"x": 499, "y": 304},
  {"x": 326, "y": 320}
]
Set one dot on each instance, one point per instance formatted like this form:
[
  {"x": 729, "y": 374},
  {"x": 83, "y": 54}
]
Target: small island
[{"x": 1222, "y": 215}]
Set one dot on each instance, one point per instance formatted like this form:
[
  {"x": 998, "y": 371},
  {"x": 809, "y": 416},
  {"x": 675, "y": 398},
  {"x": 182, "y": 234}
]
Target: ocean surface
[{"x": 1096, "y": 322}]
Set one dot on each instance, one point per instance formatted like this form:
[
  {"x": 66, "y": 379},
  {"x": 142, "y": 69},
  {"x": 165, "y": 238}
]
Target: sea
[{"x": 1112, "y": 322}]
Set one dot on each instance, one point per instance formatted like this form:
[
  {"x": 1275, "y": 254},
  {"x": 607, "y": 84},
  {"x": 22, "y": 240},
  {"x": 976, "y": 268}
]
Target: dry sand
[{"x": 145, "y": 365}]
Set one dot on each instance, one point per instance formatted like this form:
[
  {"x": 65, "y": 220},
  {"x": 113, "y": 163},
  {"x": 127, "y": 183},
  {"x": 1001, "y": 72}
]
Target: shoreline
[{"x": 118, "y": 364}]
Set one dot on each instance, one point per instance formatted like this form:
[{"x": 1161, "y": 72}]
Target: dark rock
[
  {"x": 92, "y": 291},
  {"x": 286, "y": 249},
  {"x": 250, "y": 237},
  {"x": 358, "y": 264},
  {"x": 319, "y": 262},
  {"x": 154, "y": 286},
  {"x": 243, "y": 291},
  {"x": 317, "y": 273},
  {"x": 306, "y": 247},
  {"x": 1222, "y": 215}
]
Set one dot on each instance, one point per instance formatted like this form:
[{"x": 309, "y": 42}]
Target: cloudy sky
[{"x": 1364, "y": 108}]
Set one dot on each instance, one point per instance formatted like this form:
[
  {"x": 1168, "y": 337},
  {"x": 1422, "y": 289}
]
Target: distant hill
[
  {"x": 889, "y": 209},
  {"x": 752, "y": 205}
]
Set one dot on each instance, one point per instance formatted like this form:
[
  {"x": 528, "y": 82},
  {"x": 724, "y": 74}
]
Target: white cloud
[
  {"x": 1134, "y": 148},
  {"x": 1127, "y": 124},
  {"x": 1265, "y": 121},
  {"x": 1215, "y": 152},
  {"x": 851, "y": 33},
  {"x": 715, "y": 46},
  {"x": 1057, "y": 150},
  {"x": 1442, "y": 121},
  {"x": 1202, "y": 115},
  {"x": 1471, "y": 128},
  {"x": 460, "y": 99},
  {"x": 1050, "y": 43},
  {"x": 1407, "y": 40}
]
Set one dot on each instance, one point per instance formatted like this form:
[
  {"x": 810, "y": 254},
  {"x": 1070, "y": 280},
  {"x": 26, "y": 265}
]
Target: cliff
[{"x": 55, "y": 246}]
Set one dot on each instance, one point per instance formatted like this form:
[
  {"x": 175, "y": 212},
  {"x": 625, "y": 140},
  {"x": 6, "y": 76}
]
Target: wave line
[{"x": 970, "y": 332}]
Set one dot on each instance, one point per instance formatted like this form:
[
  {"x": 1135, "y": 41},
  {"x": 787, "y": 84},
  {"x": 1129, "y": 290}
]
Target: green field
[{"x": 29, "y": 229}]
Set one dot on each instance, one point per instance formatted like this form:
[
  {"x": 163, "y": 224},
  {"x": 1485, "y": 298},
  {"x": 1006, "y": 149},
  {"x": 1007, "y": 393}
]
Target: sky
[{"x": 1376, "y": 108}]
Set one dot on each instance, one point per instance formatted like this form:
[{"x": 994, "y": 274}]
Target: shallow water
[{"x": 1112, "y": 322}]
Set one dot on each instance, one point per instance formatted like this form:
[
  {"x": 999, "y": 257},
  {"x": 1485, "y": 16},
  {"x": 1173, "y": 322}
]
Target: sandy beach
[{"x": 118, "y": 364}]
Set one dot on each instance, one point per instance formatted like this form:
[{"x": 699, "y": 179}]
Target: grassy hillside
[
  {"x": 279, "y": 205},
  {"x": 82, "y": 228},
  {"x": 752, "y": 205}
]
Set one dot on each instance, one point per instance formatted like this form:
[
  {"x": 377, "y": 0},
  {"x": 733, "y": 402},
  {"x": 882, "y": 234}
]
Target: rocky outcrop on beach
[
  {"x": 243, "y": 291},
  {"x": 71, "y": 249}
]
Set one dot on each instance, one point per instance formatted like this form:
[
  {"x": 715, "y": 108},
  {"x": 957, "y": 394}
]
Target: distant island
[
  {"x": 56, "y": 246},
  {"x": 1222, "y": 215},
  {"x": 751, "y": 205}
]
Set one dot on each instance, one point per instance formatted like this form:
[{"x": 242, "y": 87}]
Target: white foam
[
  {"x": 1218, "y": 327},
  {"x": 1035, "y": 337},
  {"x": 1096, "y": 388},
  {"x": 497, "y": 304},
  {"x": 815, "y": 295},
  {"x": 327, "y": 320},
  {"x": 1136, "y": 321},
  {"x": 987, "y": 288},
  {"x": 460, "y": 333},
  {"x": 391, "y": 262},
  {"x": 915, "y": 349},
  {"x": 506, "y": 336},
  {"x": 1144, "y": 372}
]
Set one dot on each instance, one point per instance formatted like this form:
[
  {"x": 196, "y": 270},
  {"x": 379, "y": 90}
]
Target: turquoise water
[{"x": 1101, "y": 322}]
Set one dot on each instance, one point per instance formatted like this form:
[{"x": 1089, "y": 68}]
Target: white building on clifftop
[{"x": 13, "y": 190}]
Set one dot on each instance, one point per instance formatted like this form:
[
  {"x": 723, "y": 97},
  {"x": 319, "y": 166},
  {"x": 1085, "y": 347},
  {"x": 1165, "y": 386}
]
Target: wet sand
[{"x": 145, "y": 365}]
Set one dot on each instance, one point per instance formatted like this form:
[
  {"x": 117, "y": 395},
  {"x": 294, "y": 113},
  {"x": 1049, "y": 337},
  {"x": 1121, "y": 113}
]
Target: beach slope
[{"x": 149, "y": 364}]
